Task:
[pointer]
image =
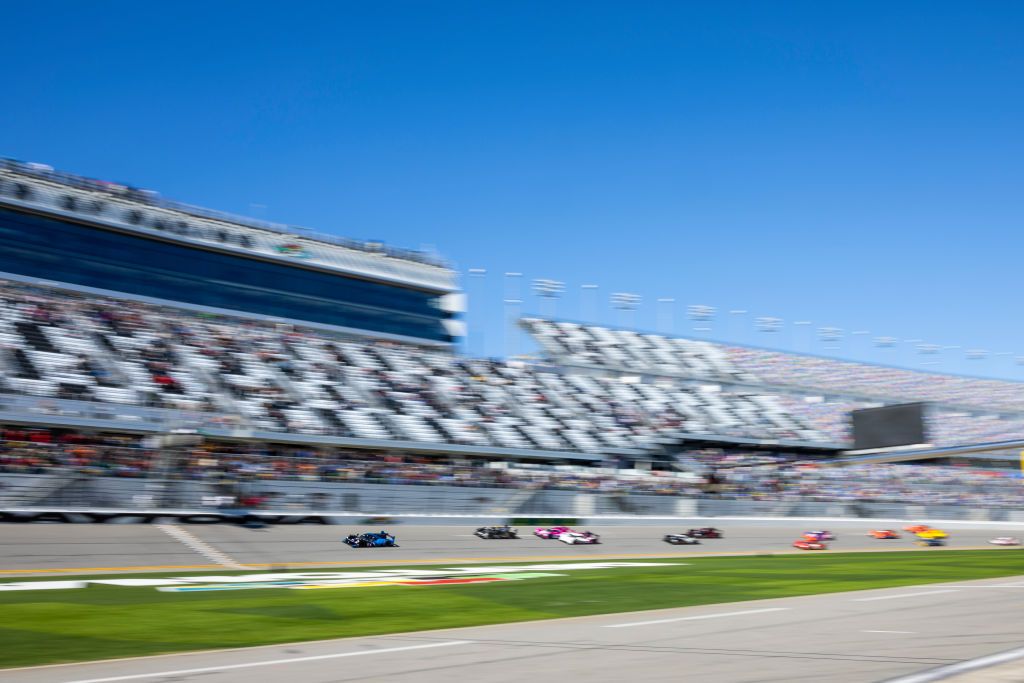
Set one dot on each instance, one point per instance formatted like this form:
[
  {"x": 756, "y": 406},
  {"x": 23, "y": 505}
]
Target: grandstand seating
[
  {"x": 276, "y": 379},
  {"x": 967, "y": 410}
]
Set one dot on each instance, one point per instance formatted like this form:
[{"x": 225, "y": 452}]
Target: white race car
[
  {"x": 1005, "y": 540},
  {"x": 579, "y": 538}
]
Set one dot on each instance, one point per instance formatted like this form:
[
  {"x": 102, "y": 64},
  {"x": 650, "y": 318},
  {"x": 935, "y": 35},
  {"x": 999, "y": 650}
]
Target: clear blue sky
[{"x": 855, "y": 165}]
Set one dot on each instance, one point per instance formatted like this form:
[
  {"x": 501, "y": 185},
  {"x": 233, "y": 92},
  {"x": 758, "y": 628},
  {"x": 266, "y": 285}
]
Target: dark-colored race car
[
  {"x": 705, "y": 532},
  {"x": 930, "y": 542},
  {"x": 681, "y": 539},
  {"x": 380, "y": 539},
  {"x": 496, "y": 532}
]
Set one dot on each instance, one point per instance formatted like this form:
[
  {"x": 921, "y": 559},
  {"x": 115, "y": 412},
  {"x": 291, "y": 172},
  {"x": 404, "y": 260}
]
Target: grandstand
[
  {"x": 300, "y": 357},
  {"x": 106, "y": 238},
  {"x": 823, "y": 391}
]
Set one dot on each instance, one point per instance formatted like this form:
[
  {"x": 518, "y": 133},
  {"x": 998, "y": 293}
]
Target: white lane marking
[
  {"x": 996, "y": 585},
  {"x": 269, "y": 662},
  {"x": 702, "y": 616},
  {"x": 944, "y": 672},
  {"x": 888, "y": 631},
  {"x": 903, "y": 595},
  {"x": 197, "y": 544}
]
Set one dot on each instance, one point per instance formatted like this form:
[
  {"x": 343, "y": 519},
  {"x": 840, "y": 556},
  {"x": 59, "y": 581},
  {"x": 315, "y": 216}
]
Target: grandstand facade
[{"x": 102, "y": 237}]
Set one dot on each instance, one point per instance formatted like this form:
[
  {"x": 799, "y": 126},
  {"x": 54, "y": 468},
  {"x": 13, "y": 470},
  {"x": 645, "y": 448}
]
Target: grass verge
[{"x": 100, "y": 622}]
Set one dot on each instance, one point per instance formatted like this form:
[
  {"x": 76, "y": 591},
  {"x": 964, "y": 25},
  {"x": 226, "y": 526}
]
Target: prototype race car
[
  {"x": 932, "y": 533},
  {"x": 705, "y": 532},
  {"x": 883, "y": 533},
  {"x": 804, "y": 544},
  {"x": 497, "y": 532},
  {"x": 579, "y": 537},
  {"x": 380, "y": 539},
  {"x": 930, "y": 542},
  {"x": 1005, "y": 540},
  {"x": 681, "y": 539},
  {"x": 916, "y": 528},
  {"x": 819, "y": 536},
  {"x": 551, "y": 532}
]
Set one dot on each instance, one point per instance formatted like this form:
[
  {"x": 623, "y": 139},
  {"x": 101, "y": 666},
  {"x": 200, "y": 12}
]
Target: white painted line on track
[
  {"x": 960, "y": 667},
  {"x": 868, "y": 631},
  {"x": 269, "y": 662},
  {"x": 903, "y": 595},
  {"x": 197, "y": 544},
  {"x": 702, "y": 616}
]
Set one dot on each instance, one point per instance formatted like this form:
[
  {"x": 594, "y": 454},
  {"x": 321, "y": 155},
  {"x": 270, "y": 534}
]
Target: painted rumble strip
[
  {"x": 903, "y": 595},
  {"x": 702, "y": 616},
  {"x": 269, "y": 662}
]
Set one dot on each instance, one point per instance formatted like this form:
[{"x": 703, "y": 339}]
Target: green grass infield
[{"x": 100, "y": 622}]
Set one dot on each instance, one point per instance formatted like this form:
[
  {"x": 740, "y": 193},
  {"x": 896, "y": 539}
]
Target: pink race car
[{"x": 551, "y": 532}]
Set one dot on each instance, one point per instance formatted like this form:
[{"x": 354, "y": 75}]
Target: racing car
[
  {"x": 381, "y": 539},
  {"x": 497, "y": 532},
  {"x": 1005, "y": 540},
  {"x": 932, "y": 533},
  {"x": 551, "y": 532},
  {"x": 819, "y": 536},
  {"x": 579, "y": 537},
  {"x": 681, "y": 539},
  {"x": 930, "y": 542},
  {"x": 916, "y": 528},
  {"x": 804, "y": 544},
  {"x": 883, "y": 533},
  {"x": 705, "y": 532}
]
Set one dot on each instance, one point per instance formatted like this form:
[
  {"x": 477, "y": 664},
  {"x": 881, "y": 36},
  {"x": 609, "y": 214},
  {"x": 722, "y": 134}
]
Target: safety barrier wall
[{"x": 17, "y": 491}]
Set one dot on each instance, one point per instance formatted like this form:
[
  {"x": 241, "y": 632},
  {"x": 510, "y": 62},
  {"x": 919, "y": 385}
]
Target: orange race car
[
  {"x": 916, "y": 528},
  {"x": 809, "y": 545},
  {"x": 883, "y": 533}
]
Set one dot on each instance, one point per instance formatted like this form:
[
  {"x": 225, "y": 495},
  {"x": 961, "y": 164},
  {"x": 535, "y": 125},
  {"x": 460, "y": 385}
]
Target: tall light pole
[
  {"x": 737, "y": 329},
  {"x": 476, "y": 275},
  {"x": 666, "y": 314},
  {"x": 928, "y": 353},
  {"x": 548, "y": 291},
  {"x": 802, "y": 341},
  {"x": 512, "y": 305},
  {"x": 831, "y": 337},
  {"x": 588, "y": 303},
  {"x": 626, "y": 304},
  {"x": 855, "y": 351},
  {"x": 769, "y": 324},
  {"x": 701, "y": 316}
]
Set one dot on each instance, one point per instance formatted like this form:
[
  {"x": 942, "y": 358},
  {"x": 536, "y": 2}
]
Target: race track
[
  {"x": 27, "y": 549},
  {"x": 858, "y": 637}
]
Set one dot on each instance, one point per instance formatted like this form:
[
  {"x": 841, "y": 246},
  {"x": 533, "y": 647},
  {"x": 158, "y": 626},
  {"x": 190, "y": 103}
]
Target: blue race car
[{"x": 380, "y": 539}]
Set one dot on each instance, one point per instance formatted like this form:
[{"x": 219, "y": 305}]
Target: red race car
[
  {"x": 803, "y": 544},
  {"x": 883, "y": 533}
]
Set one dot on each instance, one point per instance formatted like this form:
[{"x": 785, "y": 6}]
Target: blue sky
[{"x": 855, "y": 165}]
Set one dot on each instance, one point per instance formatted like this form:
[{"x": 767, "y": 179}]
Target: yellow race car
[{"x": 932, "y": 533}]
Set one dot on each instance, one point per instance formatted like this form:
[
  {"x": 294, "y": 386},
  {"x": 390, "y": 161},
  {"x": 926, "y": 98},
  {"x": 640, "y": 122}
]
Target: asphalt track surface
[
  {"x": 53, "y": 549},
  {"x": 876, "y": 635}
]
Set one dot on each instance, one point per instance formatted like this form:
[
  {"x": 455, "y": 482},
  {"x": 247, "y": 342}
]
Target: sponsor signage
[{"x": 342, "y": 579}]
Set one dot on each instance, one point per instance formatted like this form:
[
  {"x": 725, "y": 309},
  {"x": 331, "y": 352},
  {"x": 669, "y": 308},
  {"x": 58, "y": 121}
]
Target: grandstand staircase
[
  {"x": 33, "y": 334},
  {"x": 23, "y": 367}
]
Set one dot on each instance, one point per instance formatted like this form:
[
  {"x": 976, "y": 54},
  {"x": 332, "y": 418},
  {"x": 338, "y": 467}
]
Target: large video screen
[{"x": 889, "y": 426}]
